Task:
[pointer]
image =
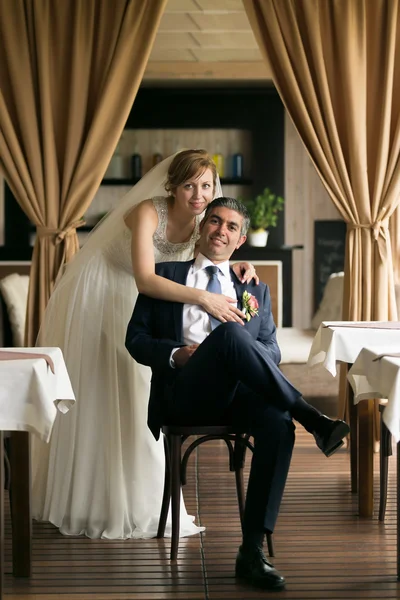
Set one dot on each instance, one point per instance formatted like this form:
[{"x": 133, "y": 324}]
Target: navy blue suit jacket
[{"x": 155, "y": 329}]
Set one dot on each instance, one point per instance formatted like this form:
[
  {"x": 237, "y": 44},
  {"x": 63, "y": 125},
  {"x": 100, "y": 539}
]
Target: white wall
[{"x": 306, "y": 201}]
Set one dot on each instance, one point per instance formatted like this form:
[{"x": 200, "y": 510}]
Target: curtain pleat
[
  {"x": 394, "y": 228},
  {"x": 336, "y": 66},
  {"x": 69, "y": 73}
]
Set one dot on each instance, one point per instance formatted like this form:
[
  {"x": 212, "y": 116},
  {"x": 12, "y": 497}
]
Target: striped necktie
[{"x": 213, "y": 286}]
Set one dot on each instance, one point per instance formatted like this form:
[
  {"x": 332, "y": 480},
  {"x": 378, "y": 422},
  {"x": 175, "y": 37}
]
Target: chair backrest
[
  {"x": 199, "y": 430},
  {"x": 14, "y": 296}
]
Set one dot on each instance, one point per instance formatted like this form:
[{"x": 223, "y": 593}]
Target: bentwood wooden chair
[{"x": 176, "y": 464}]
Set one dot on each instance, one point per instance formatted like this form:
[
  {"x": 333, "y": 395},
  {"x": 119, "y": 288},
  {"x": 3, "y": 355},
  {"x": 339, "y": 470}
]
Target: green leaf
[{"x": 264, "y": 209}]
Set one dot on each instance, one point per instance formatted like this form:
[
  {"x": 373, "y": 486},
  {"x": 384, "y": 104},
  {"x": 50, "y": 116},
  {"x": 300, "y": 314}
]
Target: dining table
[
  {"x": 34, "y": 388},
  {"x": 341, "y": 342},
  {"x": 376, "y": 373}
]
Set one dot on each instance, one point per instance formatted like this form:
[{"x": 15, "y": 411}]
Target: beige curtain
[
  {"x": 69, "y": 73},
  {"x": 394, "y": 229},
  {"x": 336, "y": 66}
]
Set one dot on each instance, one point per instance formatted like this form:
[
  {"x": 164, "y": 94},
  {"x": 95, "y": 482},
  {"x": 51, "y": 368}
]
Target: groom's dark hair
[{"x": 232, "y": 204}]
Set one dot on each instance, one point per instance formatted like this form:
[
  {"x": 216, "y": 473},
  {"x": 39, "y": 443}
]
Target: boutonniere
[{"x": 249, "y": 305}]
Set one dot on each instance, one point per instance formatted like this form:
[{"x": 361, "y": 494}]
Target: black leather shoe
[
  {"x": 329, "y": 434},
  {"x": 253, "y": 567}
]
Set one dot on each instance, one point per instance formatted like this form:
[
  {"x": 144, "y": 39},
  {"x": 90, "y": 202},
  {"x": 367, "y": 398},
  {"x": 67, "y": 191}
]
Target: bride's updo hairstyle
[{"x": 189, "y": 164}]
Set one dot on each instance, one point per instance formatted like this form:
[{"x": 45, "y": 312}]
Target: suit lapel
[
  {"x": 180, "y": 274},
  {"x": 240, "y": 288}
]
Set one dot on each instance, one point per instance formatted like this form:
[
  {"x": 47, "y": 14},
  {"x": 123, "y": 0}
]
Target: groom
[{"x": 205, "y": 372}]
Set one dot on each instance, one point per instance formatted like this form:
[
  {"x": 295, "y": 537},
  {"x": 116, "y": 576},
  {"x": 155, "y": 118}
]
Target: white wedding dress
[{"x": 102, "y": 474}]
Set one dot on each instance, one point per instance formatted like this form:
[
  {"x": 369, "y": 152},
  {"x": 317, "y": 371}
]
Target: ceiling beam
[{"x": 160, "y": 70}]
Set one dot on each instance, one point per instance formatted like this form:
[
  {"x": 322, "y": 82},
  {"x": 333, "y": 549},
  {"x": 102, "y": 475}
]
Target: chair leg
[
  {"x": 7, "y": 466},
  {"x": 385, "y": 452},
  {"x": 240, "y": 493},
  {"x": 167, "y": 491},
  {"x": 1, "y": 514},
  {"x": 239, "y": 454},
  {"x": 270, "y": 544},
  {"x": 175, "y": 449},
  {"x": 353, "y": 419},
  {"x": 21, "y": 517},
  {"x": 398, "y": 510}
]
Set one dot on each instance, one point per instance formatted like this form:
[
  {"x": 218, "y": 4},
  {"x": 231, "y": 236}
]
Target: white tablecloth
[
  {"x": 332, "y": 344},
  {"x": 372, "y": 378},
  {"x": 30, "y": 394}
]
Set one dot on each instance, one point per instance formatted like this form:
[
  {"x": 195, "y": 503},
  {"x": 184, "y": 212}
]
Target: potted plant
[{"x": 264, "y": 212}]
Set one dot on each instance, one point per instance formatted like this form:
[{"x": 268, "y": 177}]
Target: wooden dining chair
[
  {"x": 176, "y": 464},
  {"x": 385, "y": 452}
]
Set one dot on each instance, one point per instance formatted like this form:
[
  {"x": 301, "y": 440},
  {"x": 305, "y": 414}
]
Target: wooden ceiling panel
[
  {"x": 226, "y": 39},
  {"x": 235, "y": 21},
  {"x": 157, "y": 71},
  {"x": 227, "y": 55},
  {"x": 182, "y": 6},
  {"x": 180, "y": 22},
  {"x": 212, "y": 5},
  {"x": 205, "y": 39},
  {"x": 176, "y": 41},
  {"x": 162, "y": 55}
]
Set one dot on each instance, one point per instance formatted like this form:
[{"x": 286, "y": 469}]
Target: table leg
[
  {"x": 353, "y": 420},
  {"x": 366, "y": 458},
  {"x": 1, "y": 513},
  {"x": 398, "y": 511},
  {"x": 20, "y": 491}
]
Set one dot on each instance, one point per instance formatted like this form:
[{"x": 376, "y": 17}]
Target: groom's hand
[{"x": 182, "y": 355}]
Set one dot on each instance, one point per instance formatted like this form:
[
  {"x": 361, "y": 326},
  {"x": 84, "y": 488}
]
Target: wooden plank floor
[{"x": 322, "y": 548}]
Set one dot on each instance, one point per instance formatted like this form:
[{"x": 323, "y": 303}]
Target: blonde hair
[{"x": 186, "y": 165}]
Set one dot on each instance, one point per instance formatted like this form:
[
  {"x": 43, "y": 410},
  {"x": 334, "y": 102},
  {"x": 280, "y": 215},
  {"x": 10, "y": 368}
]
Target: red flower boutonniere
[{"x": 250, "y": 305}]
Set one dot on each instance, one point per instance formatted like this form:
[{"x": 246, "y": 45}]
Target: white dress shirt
[{"x": 196, "y": 321}]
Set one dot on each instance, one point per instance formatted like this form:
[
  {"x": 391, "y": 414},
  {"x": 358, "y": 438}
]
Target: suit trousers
[{"x": 232, "y": 379}]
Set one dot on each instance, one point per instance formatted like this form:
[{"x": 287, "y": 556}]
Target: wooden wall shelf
[{"x": 121, "y": 181}]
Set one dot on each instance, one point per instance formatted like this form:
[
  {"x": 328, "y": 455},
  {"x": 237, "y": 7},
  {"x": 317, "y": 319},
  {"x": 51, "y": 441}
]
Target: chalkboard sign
[{"x": 329, "y": 248}]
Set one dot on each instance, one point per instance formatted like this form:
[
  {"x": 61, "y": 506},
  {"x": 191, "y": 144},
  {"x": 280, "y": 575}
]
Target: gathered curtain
[
  {"x": 394, "y": 229},
  {"x": 336, "y": 66},
  {"x": 69, "y": 73}
]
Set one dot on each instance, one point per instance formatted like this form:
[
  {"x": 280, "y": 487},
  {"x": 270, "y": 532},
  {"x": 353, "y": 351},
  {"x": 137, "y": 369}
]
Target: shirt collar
[{"x": 202, "y": 262}]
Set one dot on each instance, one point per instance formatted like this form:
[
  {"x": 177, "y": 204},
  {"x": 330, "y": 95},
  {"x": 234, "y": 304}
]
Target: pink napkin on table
[{"x": 4, "y": 355}]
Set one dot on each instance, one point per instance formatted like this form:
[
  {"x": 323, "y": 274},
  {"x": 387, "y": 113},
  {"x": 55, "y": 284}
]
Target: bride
[{"x": 102, "y": 474}]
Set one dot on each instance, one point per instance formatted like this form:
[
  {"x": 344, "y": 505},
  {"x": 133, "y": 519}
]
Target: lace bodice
[
  {"x": 165, "y": 251},
  {"x": 118, "y": 251}
]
